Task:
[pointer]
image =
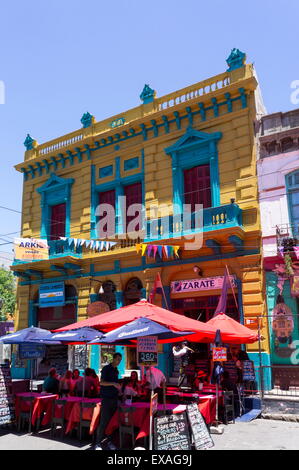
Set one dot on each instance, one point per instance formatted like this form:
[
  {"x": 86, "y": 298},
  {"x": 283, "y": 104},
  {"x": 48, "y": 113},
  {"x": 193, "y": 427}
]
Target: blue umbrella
[
  {"x": 138, "y": 328},
  {"x": 81, "y": 335},
  {"x": 28, "y": 335}
]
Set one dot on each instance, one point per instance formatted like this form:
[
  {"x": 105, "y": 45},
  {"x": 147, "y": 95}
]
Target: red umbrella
[
  {"x": 110, "y": 320},
  {"x": 232, "y": 332}
]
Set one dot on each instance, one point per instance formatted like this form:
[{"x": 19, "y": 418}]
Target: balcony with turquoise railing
[
  {"x": 57, "y": 249},
  {"x": 208, "y": 220}
]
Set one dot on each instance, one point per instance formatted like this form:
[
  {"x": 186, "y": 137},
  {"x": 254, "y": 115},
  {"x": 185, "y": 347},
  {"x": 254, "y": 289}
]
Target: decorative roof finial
[
  {"x": 29, "y": 142},
  {"x": 87, "y": 119},
  {"x": 235, "y": 60},
  {"x": 147, "y": 95}
]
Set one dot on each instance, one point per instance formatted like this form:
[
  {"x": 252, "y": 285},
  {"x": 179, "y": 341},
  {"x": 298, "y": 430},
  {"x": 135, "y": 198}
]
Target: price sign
[
  {"x": 147, "y": 351},
  {"x": 219, "y": 354}
]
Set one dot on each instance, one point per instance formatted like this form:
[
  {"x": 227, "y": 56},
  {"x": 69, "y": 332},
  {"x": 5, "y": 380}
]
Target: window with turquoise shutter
[{"x": 293, "y": 194}]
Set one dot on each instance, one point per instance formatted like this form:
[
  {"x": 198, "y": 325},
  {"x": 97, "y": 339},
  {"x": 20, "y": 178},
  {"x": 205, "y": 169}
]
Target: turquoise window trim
[
  {"x": 292, "y": 188},
  {"x": 192, "y": 149},
  {"x": 56, "y": 190},
  {"x": 118, "y": 184}
]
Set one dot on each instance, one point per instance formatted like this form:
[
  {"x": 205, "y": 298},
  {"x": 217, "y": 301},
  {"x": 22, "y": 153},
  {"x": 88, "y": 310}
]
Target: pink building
[{"x": 278, "y": 179}]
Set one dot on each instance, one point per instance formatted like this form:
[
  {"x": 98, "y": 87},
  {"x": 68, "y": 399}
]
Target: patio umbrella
[
  {"x": 31, "y": 335},
  {"x": 110, "y": 320},
  {"x": 79, "y": 336},
  {"x": 28, "y": 335},
  {"x": 232, "y": 332},
  {"x": 138, "y": 328}
]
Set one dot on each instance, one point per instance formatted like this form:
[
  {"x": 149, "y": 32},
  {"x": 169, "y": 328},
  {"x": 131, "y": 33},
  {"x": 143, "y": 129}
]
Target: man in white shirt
[{"x": 154, "y": 378}]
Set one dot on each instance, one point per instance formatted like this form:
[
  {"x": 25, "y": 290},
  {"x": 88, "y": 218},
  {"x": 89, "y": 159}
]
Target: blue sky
[{"x": 60, "y": 59}]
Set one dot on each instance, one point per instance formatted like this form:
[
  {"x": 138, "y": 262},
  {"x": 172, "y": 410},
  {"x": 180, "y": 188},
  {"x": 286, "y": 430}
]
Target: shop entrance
[{"x": 203, "y": 309}]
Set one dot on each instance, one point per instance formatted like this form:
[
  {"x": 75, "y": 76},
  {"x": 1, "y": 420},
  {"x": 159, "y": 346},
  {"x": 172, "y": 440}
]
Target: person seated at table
[
  {"x": 200, "y": 380},
  {"x": 96, "y": 382},
  {"x": 229, "y": 386},
  {"x": 88, "y": 384},
  {"x": 155, "y": 381},
  {"x": 135, "y": 383},
  {"x": 51, "y": 382},
  {"x": 65, "y": 384}
]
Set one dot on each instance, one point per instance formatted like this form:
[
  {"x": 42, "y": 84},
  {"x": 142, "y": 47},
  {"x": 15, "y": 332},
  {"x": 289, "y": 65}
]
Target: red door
[
  {"x": 197, "y": 186},
  {"x": 133, "y": 193},
  {"x": 57, "y": 221}
]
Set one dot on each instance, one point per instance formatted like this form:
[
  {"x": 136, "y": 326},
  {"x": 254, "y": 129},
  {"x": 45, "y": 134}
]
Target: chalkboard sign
[
  {"x": 201, "y": 435},
  {"x": 171, "y": 432},
  {"x": 248, "y": 370},
  {"x": 7, "y": 409},
  {"x": 147, "y": 358}
]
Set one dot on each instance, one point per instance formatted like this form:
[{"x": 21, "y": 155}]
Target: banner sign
[
  {"x": 31, "y": 249},
  {"x": 219, "y": 354},
  {"x": 51, "y": 295},
  {"x": 193, "y": 285},
  {"x": 31, "y": 351},
  {"x": 147, "y": 351}
]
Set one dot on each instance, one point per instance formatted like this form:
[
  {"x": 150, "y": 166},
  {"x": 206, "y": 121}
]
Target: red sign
[{"x": 219, "y": 354}]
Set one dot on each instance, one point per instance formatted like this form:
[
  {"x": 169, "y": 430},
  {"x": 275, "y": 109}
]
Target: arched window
[{"x": 293, "y": 195}]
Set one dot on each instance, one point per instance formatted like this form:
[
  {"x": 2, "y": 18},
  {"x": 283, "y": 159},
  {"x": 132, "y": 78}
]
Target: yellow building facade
[{"x": 160, "y": 150}]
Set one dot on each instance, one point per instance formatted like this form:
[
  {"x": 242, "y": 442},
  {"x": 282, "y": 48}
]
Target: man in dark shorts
[{"x": 109, "y": 388}]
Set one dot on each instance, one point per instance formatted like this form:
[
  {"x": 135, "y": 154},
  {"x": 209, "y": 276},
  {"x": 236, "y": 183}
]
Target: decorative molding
[
  {"x": 106, "y": 171},
  {"x": 235, "y": 60},
  {"x": 87, "y": 120},
  {"x": 30, "y": 143},
  {"x": 131, "y": 164},
  {"x": 147, "y": 95}
]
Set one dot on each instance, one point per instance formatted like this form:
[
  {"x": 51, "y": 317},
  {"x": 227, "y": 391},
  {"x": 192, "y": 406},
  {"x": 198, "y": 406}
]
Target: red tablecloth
[
  {"x": 72, "y": 411},
  {"x": 42, "y": 404}
]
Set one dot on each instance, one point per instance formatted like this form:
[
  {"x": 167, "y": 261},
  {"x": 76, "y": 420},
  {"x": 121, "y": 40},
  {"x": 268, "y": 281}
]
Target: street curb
[{"x": 281, "y": 417}]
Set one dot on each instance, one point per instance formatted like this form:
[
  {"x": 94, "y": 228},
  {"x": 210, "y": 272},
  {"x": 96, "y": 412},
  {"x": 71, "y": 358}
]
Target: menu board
[
  {"x": 7, "y": 409},
  {"x": 248, "y": 370},
  {"x": 171, "y": 432},
  {"x": 201, "y": 435},
  {"x": 147, "y": 351}
]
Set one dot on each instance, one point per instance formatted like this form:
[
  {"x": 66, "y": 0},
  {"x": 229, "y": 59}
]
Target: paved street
[
  {"x": 260, "y": 434},
  {"x": 257, "y": 435}
]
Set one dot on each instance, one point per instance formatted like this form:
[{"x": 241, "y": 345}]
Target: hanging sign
[
  {"x": 51, "y": 295},
  {"x": 193, "y": 285},
  {"x": 219, "y": 354},
  {"x": 31, "y": 351},
  {"x": 31, "y": 249},
  {"x": 147, "y": 351}
]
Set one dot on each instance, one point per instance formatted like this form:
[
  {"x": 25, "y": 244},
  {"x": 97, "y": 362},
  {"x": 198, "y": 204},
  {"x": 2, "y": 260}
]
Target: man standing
[{"x": 109, "y": 388}]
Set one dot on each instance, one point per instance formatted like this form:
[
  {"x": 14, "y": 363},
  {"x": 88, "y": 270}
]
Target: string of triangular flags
[
  {"x": 162, "y": 251},
  {"x": 91, "y": 244}
]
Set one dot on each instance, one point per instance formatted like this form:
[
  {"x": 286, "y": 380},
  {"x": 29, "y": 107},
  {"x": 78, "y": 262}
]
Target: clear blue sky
[{"x": 60, "y": 59}]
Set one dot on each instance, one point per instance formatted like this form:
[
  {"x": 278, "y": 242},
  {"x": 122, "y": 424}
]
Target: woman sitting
[
  {"x": 65, "y": 384},
  {"x": 51, "y": 383}
]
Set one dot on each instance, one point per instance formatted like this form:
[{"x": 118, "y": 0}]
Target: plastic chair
[
  {"x": 228, "y": 401},
  {"x": 58, "y": 421},
  {"x": 25, "y": 415},
  {"x": 84, "y": 423},
  {"x": 126, "y": 423}
]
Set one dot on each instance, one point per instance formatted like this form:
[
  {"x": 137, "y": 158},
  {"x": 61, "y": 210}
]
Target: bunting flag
[
  {"x": 163, "y": 251},
  {"x": 91, "y": 244}
]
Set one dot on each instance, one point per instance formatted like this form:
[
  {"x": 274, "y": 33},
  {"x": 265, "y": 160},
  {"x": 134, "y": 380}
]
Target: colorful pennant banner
[
  {"x": 162, "y": 251},
  {"x": 91, "y": 244}
]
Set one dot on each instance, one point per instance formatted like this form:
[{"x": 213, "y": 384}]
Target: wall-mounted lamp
[{"x": 197, "y": 270}]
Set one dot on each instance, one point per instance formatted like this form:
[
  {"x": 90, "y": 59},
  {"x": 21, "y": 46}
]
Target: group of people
[{"x": 72, "y": 383}]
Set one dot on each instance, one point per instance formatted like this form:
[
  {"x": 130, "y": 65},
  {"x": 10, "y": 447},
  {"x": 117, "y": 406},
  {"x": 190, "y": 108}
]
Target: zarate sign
[{"x": 193, "y": 285}]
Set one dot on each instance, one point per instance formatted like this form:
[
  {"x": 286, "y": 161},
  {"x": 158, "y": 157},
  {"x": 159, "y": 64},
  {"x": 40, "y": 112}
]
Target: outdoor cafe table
[
  {"x": 42, "y": 404},
  {"x": 72, "y": 411}
]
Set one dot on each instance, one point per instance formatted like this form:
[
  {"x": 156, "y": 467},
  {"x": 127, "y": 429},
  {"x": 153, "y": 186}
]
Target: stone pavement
[{"x": 260, "y": 434}]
